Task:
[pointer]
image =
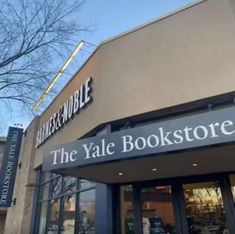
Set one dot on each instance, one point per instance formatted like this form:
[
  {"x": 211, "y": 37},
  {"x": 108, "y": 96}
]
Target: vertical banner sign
[{"x": 9, "y": 165}]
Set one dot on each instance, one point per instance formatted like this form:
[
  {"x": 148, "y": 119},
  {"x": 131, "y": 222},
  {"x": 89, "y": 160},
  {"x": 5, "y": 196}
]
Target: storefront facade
[{"x": 141, "y": 140}]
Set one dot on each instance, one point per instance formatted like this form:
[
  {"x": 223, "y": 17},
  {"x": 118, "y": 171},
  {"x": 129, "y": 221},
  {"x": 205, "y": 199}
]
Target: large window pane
[
  {"x": 44, "y": 191},
  {"x": 87, "y": 212},
  {"x": 157, "y": 210},
  {"x": 68, "y": 226},
  {"x": 45, "y": 177},
  {"x": 53, "y": 222},
  {"x": 83, "y": 184},
  {"x": 127, "y": 211},
  {"x": 57, "y": 200},
  {"x": 69, "y": 185},
  {"x": 205, "y": 208},
  {"x": 43, "y": 217},
  {"x": 56, "y": 187}
]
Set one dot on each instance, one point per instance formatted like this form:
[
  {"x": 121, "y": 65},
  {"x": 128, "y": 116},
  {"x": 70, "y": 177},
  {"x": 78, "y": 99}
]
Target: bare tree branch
[{"x": 32, "y": 34}]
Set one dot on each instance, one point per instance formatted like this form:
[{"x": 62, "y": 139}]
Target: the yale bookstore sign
[
  {"x": 211, "y": 128},
  {"x": 9, "y": 165},
  {"x": 77, "y": 101}
]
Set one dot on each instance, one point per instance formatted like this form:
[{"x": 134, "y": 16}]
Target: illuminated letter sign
[
  {"x": 181, "y": 133},
  {"x": 77, "y": 101}
]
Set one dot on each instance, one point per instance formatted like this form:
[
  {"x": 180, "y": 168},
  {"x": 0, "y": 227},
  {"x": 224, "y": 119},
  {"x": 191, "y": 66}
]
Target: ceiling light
[
  {"x": 194, "y": 165},
  {"x": 120, "y": 173},
  {"x": 154, "y": 169}
]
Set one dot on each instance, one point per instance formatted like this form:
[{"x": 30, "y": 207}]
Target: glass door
[
  {"x": 157, "y": 210},
  {"x": 127, "y": 210},
  {"x": 205, "y": 208}
]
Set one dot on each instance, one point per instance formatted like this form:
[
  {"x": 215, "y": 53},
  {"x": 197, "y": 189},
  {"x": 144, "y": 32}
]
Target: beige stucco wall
[
  {"x": 2, "y": 222},
  {"x": 185, "y": 57}
]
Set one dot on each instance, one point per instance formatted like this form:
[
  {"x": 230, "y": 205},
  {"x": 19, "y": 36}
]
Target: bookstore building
[{"x": 142, "y": 138}]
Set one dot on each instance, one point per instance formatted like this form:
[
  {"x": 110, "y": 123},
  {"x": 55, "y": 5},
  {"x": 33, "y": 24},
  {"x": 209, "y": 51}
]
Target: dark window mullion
[
  {"x": 77, "y": 211},
  {"x": 228, "y": 202},
  {"x": 62, "y": 185},
  {"x": 40, "y": 190},
  {"x": 138, "y": 223},
  {"x": 179, "y": 209},
  {"x": 116, "y": 207},
  {"x": 61, "y": 211},
  {"x": 61, "y": 214},
  {"x": 48, "y": 205},
  {"x": 37, "y": 206}
]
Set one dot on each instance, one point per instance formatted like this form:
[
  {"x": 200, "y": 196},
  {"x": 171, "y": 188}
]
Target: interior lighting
[
  {"x": 154, "y": 169},
  {"x": 194, "y": 165},
  {"x": 58, "y": 75},
  {"x": 120, "y": 173}
]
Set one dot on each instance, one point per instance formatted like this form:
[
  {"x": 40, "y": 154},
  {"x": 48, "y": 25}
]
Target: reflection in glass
[
  {"x": 56, "y": 186},
  {"x": 57, "y": 203},
  {"x": 157, "y": 210},
  {"x": 205, "y": 209},
  {"x": 127, "y": 212},
  {"x": 83, "y": 184},
  {"x": 54, "y": 217},
  {"x": 43, "y": 218},
  {"x": 86, "y": 212},
  {"x": 45, "y": 191},
  {"x": 69, "y": 185},
  {"x": 45, "y": 176},
  {"x": 68, "y": 226}
]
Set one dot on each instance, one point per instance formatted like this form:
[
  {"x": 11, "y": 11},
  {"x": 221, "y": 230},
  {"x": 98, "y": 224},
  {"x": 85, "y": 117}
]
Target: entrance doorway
[
  {"x": 157, "y": 210},
  {"x": 202, "y": 205}
]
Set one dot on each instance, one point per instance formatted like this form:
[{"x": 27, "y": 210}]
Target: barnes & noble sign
[
  {"x": 210, "y": 128},
  {"x": 77, "y": 101}
]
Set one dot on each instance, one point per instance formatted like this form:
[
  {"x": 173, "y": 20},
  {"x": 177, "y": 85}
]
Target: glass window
[
  {"x": 204, "y": 208},
  {"x": 45, "y": 177},
  {"x": 84, "y": 184},
  {"x": 69, "y": 185},
  {"x": 86, "y": 219},
  {"x": 44, "y": 191},
  {"x": 157, "y": 210},
  {"x": 56, "y": 187},
  {"x": 127, "y": 210},
  {"x": 58, "y": 196},
  {"x": 53, "y": 222},
  {"x": 68, "y": 226},
  {"x": 43, "y": 217}
]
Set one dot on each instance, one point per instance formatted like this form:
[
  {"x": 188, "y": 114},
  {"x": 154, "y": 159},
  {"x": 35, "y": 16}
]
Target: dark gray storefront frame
[
  {"x": 108, "y": 211},
  {"x": 108, "y": 201},
  {"x": 151, "y": 140},
  {"x": 178, "y": 201}
]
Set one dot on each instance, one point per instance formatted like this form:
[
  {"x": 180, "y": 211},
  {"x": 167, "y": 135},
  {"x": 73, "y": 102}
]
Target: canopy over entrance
[{"x": 197, "y": 162}]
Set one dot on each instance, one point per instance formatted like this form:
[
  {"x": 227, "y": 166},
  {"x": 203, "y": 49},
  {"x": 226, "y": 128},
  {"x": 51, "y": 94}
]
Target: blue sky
[
  {"x": 108, "y": 18},
  {"x": 113, "y": 17}
]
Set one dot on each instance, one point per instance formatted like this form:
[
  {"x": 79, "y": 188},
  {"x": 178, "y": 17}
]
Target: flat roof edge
[{"x": 152, "y": 22}]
